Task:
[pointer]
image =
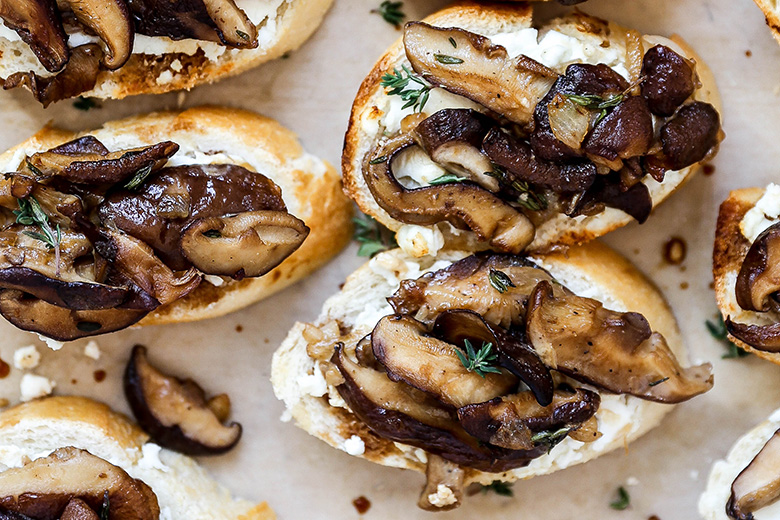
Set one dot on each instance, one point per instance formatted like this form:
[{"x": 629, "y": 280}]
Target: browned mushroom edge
[
  {"x": 72, "y": 478},
  {"x": 175, "y": 412},
  {"x": 573, "y": 143},
  {"x": 483, "y": 364},
  {"x": 91, "y": 240},
  {"x": 758, "y": 485},
  {"x": 39, "y": 23}
]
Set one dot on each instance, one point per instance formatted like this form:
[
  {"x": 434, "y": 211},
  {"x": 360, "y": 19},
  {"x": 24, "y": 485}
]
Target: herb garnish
[
  {"x": 482, "y": 361},
  {"x": 400, "y": 85},
  {"x": 30, "y": 213},
  {"x": 592, "y": 102},
  {"x": 447, "y": 60},
  {"x": 528, "y": 198},
  {"x": 550, "y": 438},
  {"x": 378, "y": 160},
  {"x": 455, "y": 44},
  {"x": 391, "y": 12},
  {"x": 139, "y": 177},
  {"x": 85, "y": 104},
  {"x": 654, "y": 383},
  {"x": 212, "y": 233},
  {"x": 500, "y": 280},
  {"x": 718, "y": 331},
  {"x": 241, "y": 34},
  {"x": 446, "y": 179},
  {"x": 105, "y": 508},
  {"x": 372, "y": 236},
  {"x": 623, "y": 501},
  {"x": 499, "y": 488}
]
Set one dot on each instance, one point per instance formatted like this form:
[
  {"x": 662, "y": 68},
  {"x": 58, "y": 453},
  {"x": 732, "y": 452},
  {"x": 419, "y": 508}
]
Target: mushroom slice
[
  {"x": 518, "y": 422},
  {"x": 607, "y": 190},
  {"x": 452, "y": 138},
  {"x": 175, "y": 412},
  {"x": 759, "y": 275},
  {"x": 758, "y": 485},
  {"x": 464, "y": 205},
  {"x": 79, "y": 76},
  {"x": 14, "y": 187},
  {"x": 467, "y": 284},
  {"x": 761, "y": 337},
  {"x": 63, "y": 324},
  {"x": 44, "y": 487},
  {"x": 514, "y": 353},
  {"x": 668, "y": 80},
  {"x": 401, "y": 344},
  {"x": 475, "y": 68},
  {"x": 233, "y": 25},
  {"x": 441, "y": 472},
  {"x": 99, "y": 168},
  {"x": 137, "y": 262},
  {"x": 77, "y": 509},
  {"x": 691, "y": 135},
  {"x": 110, "y": 20},
  {"x": 247, "y": 244},
  {"x": 38, "y": 24},
  {"x": 625, "y": 132},
  {"x": 400, "y": 413},
  {"x": 615, "y": 351}
]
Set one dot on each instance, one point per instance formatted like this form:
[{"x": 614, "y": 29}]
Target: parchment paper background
[{"x": 311, "y": 92}]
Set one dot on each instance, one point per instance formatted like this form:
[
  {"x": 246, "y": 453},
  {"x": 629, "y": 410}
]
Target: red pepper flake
[
  {"x": 5, "y": 369},
  {"x": 100, "y": 376},
  {"x": 362, "y": 504},
  {"x": 675, "y": 250}
]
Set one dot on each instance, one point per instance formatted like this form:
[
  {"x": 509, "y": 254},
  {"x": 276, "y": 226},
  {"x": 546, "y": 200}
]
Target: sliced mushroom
[
  {"x": 79, "y": 76},
  {"x": 63, "y": 324},
  {"x": 402, "y": 346},
  {"x": 625, "y": 132},
  {"x": 82, "y": 145},
  {"x": 475, "y": 68},
  {"x": 111, "y": 21},
  {"x": 759, "y": 275},
  {"x": 99, "y": 168},
  {"x": 668, "y": 80},
  {"x": 441, "y": 472},
  {"x": 73, "y": 295},
  {"x": 175, "y": 412},
  {"x": 758, "y": 485},
  {"x": 514, "y": 354},
  {"x": 14, "y": 187},
  {"x": 690, "y": 135},
  {"x": 77, "y": 509},
  {"x": 44, "y": 487},
  {"x": 464, "y": 205},
  {"x": 761, "y": 337},
  {"x": 233, "y": 25},
  {"x": 39, "y": 25},
  {"x": 607, "y": 190},
  {"x": 512, "y": 421},
  {"x": 615, "y": 351},
  {"x": 452, "y": 137},
  {"x": 247, "y": 244}
]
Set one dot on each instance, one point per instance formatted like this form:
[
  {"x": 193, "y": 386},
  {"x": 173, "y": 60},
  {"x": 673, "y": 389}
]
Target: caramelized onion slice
[
  {"x": 39, "y": 25},
  {"x": 475, "y": 68},
  {"x": 110, "y": 20},
  {"x": 759, "y": 275},
  {"x": 615, "y": 351},
  {"x": 464, "y": 205},
  {"x": 247, "y": 244},
  {"x": 758, "y": 485}
]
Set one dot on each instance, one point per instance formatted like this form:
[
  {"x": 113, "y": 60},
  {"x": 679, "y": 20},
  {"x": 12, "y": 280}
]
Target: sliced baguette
[
  {"x": 592, "y": 270},
  {"x": 311, "y": 190},
  {"x": 184, "y": 490},
  {"x": 366, "y": 120}
]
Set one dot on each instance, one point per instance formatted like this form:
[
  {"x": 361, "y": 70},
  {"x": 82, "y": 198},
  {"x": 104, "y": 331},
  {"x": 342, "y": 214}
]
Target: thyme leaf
[
  {"x": 139, "y": 177},
  {"x": 445, "y": 179},
  {"x": 499, "y": 488},
  {"x": 550, "y": 438},
  {"x": 500, "y": 280},
  {"x": 391, "y": 12},
  {"x": 718, "y": 331},
  {"x": 455, "y": 44},
  {"x": 623, "y": 501},
  {"x": 85, "y": 104},
  {"x": 447, "y": 60},
  {"x": 372, "y": 236},
  {"x": 654, "y": 383},
  {"x": 528, "y": 198},
  {"x": 30, "y": 213},
  {"x": 409, "y": 86},
  {"x": 482, "y": 361}
]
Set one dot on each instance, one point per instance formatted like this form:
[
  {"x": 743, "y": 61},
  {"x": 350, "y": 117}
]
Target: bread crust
[
  {"x": 728, "y": 253},
  {"x": 620, "y": 285},
  {"x": 93, "y": 421},
  {"x": 311, "y": 189},
  {"x": 489, "y": 18},
  {"x": 153, "y": 74},
  {"x": 772, "y": 15}
]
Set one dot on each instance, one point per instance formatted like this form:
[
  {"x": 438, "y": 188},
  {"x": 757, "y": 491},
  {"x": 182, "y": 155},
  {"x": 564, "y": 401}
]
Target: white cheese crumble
[
  {"x": 419, "y": 241},
  {"x": 216, "y": 281},
  {"x": 765, "y": 213},
  {"x": 286, "y": 416},
  {"x": 150, "y": 457},
  {"x": 51, "y": 343},
  {"x": 92, "y": 350},
  {"x": 27, "y": 358},
  {"x": 413, "y": 168},
  {"x": 313, "y": 384},
  {"x": 443, "y": 497},
  {"x": 34, "y": 386},
  {"x": 355, "y": 446}
]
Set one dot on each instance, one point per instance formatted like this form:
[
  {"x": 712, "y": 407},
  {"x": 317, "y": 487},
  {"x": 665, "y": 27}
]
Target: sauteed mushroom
[
  {"x": 625, "y": 132},
  {"x": 761, "y": 337},
  {"x": 77, "y": 509},
  {"x": 110, "y": 20},
  {"x": 758, "y": 485},
  {"x": 759, "y": 275},
  {"x": 39, "y": 25},
  {"x": 690, "y": 135},
  {"x": 668, "y": 80},
  {"x": 441, "y": 472}
]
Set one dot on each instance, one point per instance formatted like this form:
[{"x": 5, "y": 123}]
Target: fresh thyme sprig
[
  {"x": 372, "y": 236},
  {"x": 411, "y": 87},
  {"x": 391, "y": 12},
  {"x": 482, "y": 361},
  {"x": 499, "y": 488},
  {"x": 718, "y": 331},
  {"x": 30, "y": 213},
  {"x": 446, "y": 179},
  {"x": 500, "y": 280},
  {"x": 592, "y": 102},
  {"x": 446, "y": 59},
  {"x": 550, "y": 438},
  {"x": 139, "y": 177},
  {"x": 623, "y": 500},
  {"x": 528, "y": 198}
]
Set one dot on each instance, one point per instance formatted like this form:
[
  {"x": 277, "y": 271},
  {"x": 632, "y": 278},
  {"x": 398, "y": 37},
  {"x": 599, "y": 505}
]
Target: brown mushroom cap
[
  {"x": 758, "y": 485},
  {"x": 475, "y": 68},
  {"x": 692, "y": 134},
  {"x": 759, "y": 275},
  {"x": 44, "y": 487},
  {"x": 615, "y": 351},
  {"x": 625, "y": 132},
  {"x": 668, "y": 80},
  {"x": 77, "y": 509},
  {"x": 110, "y": 20},
  {"x": 175, "y": 413},
  {"x": 248, "y": 244},
  {"x": 761, "y": 337},
  {"x": 39, "y": 25}
]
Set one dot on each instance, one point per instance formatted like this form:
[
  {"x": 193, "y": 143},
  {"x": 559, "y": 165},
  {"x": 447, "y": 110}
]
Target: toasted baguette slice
[
  {"x": 729, "y": 251},
  {"x": 184, "y": 490},
  {"x": 712, "y": 502},
  {"x": 366, "y": 124},
  {"x": 771, "y": 11},
  {"x": 159, "y": 64},
  {"x": 592, "y": 270},
  {"x": 311, "y": 190}
]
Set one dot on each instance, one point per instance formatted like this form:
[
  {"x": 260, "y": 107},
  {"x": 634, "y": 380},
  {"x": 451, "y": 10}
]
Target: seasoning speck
[
  {"x": 684, "y": 285},
  {"x": 5, "y": 369},
  {"x": 708, "y": 169},
  {"x": 362, "y": 504},
  {"x": 100, "y": 376},
  {"x": 675, "y": 250},
  {"x": 239, "y": 328},
  {"x": 748, "y": 53}
]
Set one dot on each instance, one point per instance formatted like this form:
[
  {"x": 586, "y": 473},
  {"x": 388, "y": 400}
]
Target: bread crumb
[
  {"x": 286, "y": 416},
  {"x": 443, "y": 497},
  {"x": 165, "y": 77},
  {"x": 51, "y": 343},
  {"x": 355, "y": 446},
  {"x": 92, "y": 350},
  {"x": 27, "y": 358},
  {"x": 176, "y": 65},
  {"x": 34, "y": 386}
]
